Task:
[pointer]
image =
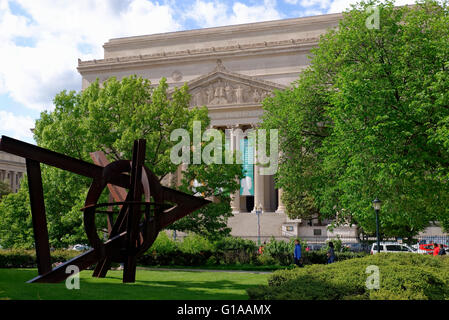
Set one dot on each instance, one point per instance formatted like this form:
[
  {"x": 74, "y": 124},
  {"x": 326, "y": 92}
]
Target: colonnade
[
  {"x": 265, "y": 193},
  {"x": 12, "y": 178}
]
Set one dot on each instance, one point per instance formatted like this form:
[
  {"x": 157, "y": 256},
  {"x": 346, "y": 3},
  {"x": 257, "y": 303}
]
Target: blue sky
[{"x": 41, "y": 40}]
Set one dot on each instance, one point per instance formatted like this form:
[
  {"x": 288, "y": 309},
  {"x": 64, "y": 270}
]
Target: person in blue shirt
[
  {"x": 297, "y": 253},
  {"x": 331, "y": 253}
]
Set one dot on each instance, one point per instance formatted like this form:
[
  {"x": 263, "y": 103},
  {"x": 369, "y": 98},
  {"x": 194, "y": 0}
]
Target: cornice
[
  {"x": 266, "y": 47},
  {"x": 146, "y": 40}
]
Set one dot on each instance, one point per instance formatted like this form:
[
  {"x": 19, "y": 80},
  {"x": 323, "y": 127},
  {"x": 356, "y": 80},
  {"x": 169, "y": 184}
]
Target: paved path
[{"x": 203, "y": 270}]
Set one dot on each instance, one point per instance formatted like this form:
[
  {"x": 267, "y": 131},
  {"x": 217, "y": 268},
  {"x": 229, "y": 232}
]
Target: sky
[{"x": 41, "y": 40}]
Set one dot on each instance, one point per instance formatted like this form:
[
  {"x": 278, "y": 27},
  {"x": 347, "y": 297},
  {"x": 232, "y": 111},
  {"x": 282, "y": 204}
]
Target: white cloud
[
  {"x": 17, "y": 127},
  {"x": 58, "y": 33},
  {"x": 216, "y": 13},
  {"x": 316, "y": 3},
  {"x": 338, "y": 6},
  {"x": 291, "y": 1}
]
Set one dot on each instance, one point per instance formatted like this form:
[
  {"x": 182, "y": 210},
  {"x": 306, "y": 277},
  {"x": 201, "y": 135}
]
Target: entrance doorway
[{"x": 249, "y": 203}]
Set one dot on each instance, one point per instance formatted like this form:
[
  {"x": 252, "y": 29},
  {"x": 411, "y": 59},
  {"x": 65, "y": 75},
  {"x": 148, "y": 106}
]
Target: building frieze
[{"x": 200, "y": 53}]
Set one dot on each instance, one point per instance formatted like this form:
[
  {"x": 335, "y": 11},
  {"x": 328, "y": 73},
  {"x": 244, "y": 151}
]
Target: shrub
[
  {"x": 235, "y": 243},
  {"x": 163, "y": 244},
  {"x": 266, "y": 260},
  {"x": 402, "y": 276},
  {"x": 20, "y": 258},
  {"x": 194, "y": 243}
]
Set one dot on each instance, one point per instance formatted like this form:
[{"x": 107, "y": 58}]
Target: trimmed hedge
[
  {"x": 19, "y": 258},
  {"x": 403, "y": 276},
  {"x": 195, "y": 250}
]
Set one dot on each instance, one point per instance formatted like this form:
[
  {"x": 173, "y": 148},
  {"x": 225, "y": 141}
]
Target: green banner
[{"x": 247, "y": 183}]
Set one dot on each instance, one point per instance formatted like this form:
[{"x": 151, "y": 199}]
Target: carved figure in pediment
[
  {"x": 239, "y": 94},
  {"x": 198, "y": 98},
  {"x": 210, "y": 94},
  {"x": 229, "y": 93},
  {"x": 256, "y": 95},
  {"x": 264, "y": 95},
  {"x": 219, "y": 94}
]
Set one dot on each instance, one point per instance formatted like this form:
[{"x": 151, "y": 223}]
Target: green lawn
[{"x": 159, "y": 285}]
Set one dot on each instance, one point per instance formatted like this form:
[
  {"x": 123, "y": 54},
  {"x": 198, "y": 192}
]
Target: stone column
[
  {"x": 235, "y": 146},
  {"x": 13, "y": 181},
  {"x": 281, "y": 207}
]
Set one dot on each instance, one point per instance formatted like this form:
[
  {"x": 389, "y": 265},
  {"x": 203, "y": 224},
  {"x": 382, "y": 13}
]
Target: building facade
[
  {"x": 230, "y": 70},
  {"x": 12, "y": 170}
]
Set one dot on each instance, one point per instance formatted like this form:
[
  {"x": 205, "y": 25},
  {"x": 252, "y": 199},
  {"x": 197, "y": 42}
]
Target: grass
[
  {"x": 224, "y": 267},
  {"x": 149, "y": 285}
]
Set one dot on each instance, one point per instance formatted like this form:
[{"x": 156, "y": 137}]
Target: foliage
[
  {"x": 163, "y": 244},
  {"x": 109, "y": 117},
  {"x": 20, "y": 258},
  {"x": 368, "y": 119},
  {"x": 235, "y": 243},
  {"x": 4, "y": 189},
  {"x": 194, "y": 250},
  {"x": 402, "y": 276},
  {"x": 195, "y": 244},
  {"x": 15, "y": 219},
  {"x": 338, "y": 245}
]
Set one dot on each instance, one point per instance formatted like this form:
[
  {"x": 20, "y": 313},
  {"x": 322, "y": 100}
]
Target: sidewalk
[{"x": 202, "y": 270}]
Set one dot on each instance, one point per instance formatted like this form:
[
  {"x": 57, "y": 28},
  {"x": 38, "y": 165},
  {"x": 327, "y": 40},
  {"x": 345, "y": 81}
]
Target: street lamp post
[
  {"x": 258, "y": 212},
  {"x": 376, "y": 205}
]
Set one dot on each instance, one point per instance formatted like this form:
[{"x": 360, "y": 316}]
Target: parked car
[
  {"x": 314, "y": 247},
  {"x": 357, "y": 247},
  {"x": 392, "y": 247},
  {"x": 80, "y": 247}
]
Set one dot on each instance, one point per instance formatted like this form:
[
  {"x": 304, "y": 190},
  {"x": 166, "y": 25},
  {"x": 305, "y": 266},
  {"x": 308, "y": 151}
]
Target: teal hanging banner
[{"x": 247, "y": 183}]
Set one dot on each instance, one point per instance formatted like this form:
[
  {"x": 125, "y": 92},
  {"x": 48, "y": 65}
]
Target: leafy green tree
[
  {"x": 4, "y": 189},
  {"x": 368, "y": 119},
  {"x": 15, "y": 219},
  {"x": 217, "y": 181},
  {"x": 109, "y": 117}
]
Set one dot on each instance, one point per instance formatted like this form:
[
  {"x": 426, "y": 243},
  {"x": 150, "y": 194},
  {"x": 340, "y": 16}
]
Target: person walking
[
  {"x": 297, "y": 253},
  {"x": 436, "y": 249},
  {"x": 330, "y": 253},
  {"x": 442, "y": 251},
  {"x": 261, "y": 248}
]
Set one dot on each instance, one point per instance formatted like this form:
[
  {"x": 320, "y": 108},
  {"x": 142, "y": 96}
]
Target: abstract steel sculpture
[{"x": 131, "y": 186}]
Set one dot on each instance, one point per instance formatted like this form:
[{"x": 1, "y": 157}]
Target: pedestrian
[
  {"x": 436, "y": 249},
  {"x": 330, "y": 253},
  {"x": 297, "y": 253},
  {"x": 442, "y": 251},
  {"x": 261, "y": 248}
]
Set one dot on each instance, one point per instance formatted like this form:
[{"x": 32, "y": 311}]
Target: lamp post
[
  {"x": 376, "y": 205},
  {"x": 258, "y": 212}
]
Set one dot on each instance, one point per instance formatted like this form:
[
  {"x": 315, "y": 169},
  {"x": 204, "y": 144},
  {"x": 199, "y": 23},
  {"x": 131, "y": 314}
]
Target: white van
[{"x": 392, "y": 247}]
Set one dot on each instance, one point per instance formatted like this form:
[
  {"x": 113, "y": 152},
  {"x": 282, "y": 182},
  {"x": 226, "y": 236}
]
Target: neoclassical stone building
[
  {"x": 231, "y": 70},
  {"x": 12, "y": 169}
]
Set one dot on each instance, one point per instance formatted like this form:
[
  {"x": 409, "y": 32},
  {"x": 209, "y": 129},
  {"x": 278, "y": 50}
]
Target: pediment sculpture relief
[{"x": 224, "y": 92}]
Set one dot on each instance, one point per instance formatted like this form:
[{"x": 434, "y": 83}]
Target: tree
[
  {"x": 369, "y": 119},
  {"x": 109, "y": 117},
  {"x": 15, "y": 219},
  {"x": 214, "y": 180},
  {"x": 4, "y": 189}
]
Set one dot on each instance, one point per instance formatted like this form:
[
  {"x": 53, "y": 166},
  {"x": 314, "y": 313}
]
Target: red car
[{"x": 427, "y": 248}]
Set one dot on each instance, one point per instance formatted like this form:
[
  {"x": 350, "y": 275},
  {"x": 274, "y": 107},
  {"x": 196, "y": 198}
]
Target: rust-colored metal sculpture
[{"x": 144, "y": 207}]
